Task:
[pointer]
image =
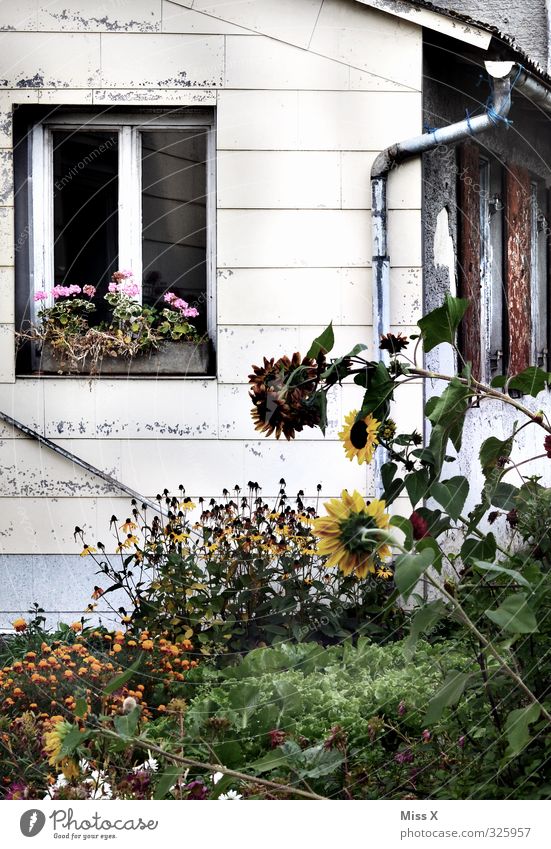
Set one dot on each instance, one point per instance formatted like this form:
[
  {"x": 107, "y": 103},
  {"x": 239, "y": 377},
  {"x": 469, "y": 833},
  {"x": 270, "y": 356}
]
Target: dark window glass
[
  {"x": 85, "y": 208},
  {"x": 174, "y": 217}
]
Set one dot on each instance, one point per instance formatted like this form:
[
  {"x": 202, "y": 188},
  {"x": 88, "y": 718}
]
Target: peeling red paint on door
[
  {"x": 518, "y": 235},
  {"x": 469, "y": 252}
]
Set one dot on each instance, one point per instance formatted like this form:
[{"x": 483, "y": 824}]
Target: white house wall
[{"x": 306, "y": 93}]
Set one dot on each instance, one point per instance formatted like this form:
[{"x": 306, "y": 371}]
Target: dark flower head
[
  {"x": 197, "y": 790},
  {"x": 405, "y": 757},
  {"x": 512, "y": 518},
  {"x": 280, "y": 391},
  {"x": 394, "y": 343},
  {"x": 420, "y": 526},
  {"x": 547, "y": 445},
  {"x": 277, "y": 737}
]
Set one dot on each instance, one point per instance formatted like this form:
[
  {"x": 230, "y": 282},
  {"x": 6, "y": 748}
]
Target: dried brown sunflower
[
  {"x": 280, "y": 391},
  {"x": 393, "y": 342}
]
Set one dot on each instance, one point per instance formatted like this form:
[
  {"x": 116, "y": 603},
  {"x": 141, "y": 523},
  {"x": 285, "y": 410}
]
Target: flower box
[{"x": 172, "y": 358}]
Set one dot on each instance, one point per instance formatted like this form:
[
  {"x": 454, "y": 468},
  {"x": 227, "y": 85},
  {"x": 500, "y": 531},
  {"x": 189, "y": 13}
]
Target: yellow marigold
[
  {"x": 76, "y": 626},
  {"x": 147, "y": 645},
  {"x": 354, "y": 535},
  {"x": 117, "y": 648},
  {"x": 359, "y": 437},
  {"x": 19, "y": 624}
]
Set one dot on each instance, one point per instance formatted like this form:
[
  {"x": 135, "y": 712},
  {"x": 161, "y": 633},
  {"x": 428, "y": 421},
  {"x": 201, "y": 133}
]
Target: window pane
[
  {"x": 85, "y": 207},
  {"x": 174, "y": 216}
]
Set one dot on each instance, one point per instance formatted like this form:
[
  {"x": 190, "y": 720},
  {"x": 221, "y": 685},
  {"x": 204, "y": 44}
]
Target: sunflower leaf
[
  {"x": 409, "y": 569},
  {"x": 441, "y": 324},
  {"x": 323, "y": 343},
  {"x": 517, "y": 727}
]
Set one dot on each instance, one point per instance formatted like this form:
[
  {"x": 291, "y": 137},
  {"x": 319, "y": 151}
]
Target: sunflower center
[
  {"x": 352, "y": 533},
  {"x": 358, "y": 434}
]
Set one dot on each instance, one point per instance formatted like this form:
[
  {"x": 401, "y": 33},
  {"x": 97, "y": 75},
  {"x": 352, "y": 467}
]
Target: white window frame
[{"x": 129, "y": 127}]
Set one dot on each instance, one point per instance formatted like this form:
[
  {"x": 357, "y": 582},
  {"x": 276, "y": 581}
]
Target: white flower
[
  {"x": 98, "y": 785},
  {"x": 231, "y": 794},
  {"x": 84, "y": 765},
  {"x": 60, "y": 781},
  {"x": 216, "y": 777},
  {"x": 151, "y": 764},
  {"x": 101, "y": 791}
]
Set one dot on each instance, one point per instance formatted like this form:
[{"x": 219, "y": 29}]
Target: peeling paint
[
  {"x": 33, "y": 82},
  {"x": 444, "y": 253}
]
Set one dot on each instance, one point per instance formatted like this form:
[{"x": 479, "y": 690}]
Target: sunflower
[
  {"x": 360, "y": 436},
  {"x": 351, "y": 534},
  {"x": 282, "y": 393},
  {"x": 53, "y": 740}
]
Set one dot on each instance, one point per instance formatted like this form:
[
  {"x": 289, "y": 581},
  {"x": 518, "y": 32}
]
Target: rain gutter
[{"x": 503, "y": 75}]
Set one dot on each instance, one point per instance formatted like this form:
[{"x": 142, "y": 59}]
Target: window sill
[{"x": 175, "y": 360}]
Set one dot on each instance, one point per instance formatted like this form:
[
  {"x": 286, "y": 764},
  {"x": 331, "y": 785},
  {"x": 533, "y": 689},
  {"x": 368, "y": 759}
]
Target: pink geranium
[
  {"x": 182, "y": 306},
  {"x": 122, "y": 283},
  {"x": 124, "y": 274},
  {"x": 129, "y": 289},
  {"x": 90, "y": 291},
  {"x": 40, "y": 296},
  {"x": 65, "y": 291}
]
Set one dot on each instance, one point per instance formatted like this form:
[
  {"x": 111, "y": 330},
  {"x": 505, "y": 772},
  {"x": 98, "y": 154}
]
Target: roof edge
[{"x": 434, "y": 19}]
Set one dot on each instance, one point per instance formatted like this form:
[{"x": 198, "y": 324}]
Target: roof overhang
[{"x": 453, "y": 27}]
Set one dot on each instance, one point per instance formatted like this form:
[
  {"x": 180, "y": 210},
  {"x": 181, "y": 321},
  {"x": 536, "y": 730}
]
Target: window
[
  {"x": 503, "y": 250},
  {"x": 118, "y": 190}
]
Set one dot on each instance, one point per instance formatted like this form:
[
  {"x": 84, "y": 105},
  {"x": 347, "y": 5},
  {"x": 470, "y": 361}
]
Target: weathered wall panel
[{"x": 302, "y": 111}]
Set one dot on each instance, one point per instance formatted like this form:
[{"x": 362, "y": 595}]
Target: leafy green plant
[
  {"x": 479, "y": 581},
  {"x": 237, "y": 573}
]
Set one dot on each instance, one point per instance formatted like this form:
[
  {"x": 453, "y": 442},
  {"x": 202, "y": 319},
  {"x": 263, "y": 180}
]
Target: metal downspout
[{"x": 501, "y": 73}]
